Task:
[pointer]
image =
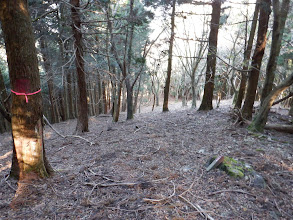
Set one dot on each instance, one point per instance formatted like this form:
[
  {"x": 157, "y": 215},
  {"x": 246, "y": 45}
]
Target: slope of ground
[{"x": 153, "y": 167}]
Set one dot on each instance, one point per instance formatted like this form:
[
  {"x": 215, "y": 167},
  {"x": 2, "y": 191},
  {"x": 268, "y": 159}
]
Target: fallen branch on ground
[
  {"x": 65, "y": 136},
  {"x": 202, "y": 212},
  {"x": 231, "y": 190},
  {"x": 160, "y": 200}
]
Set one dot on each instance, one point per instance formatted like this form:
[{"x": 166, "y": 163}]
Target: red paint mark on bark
[{"x": 22, "y": 85}]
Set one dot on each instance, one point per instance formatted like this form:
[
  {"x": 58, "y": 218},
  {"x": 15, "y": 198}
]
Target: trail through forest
[{"x": 154, "y": 167}]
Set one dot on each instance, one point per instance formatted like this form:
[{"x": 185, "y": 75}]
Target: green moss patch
[{"x": 233, "y": 167}]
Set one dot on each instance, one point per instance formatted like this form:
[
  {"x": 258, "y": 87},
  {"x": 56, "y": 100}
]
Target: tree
[
  {"x": 170, "y": 53},
  {"x": 206, "y": 103},
  {"x": 29, "y": 160},
  {"x": 82, "y": 116},
  {"x": 260, "y": 120},
  {"x": 247, "y": 54},
  {"x": 257, "y": 58},
  {"x": 280, "y": 16}
]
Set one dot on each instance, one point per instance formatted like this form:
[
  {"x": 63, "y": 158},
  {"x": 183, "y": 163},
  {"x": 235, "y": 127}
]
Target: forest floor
[{"x": 154, "y": 167}]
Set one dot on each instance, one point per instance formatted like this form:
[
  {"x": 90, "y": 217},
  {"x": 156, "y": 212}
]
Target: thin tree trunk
[
  {"x": 207, "y": 101},
  {"x": 49, "y": 73},
  {"x": 29, "y": 159},
  {"x": 5, "y": 118},
  {"x": 82, "y": 116},
  {"x": 247, "y": 54},
  {"x": 280, "y": 16},
  {"x": 170, "y": 54},
  {"x": 99, "y": 95},
  {"x": 136, "y": 95},
  {"x": 70, "y": 95},
  {"x": 257, "y": 58}
]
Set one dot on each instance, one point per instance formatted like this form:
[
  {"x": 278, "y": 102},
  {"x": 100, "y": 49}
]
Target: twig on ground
[
  {"x": 65, "y": 136},
  {"x": 149, "y": 153},
  {"x": 160, "y": 200},
  {"x": 9, "y": 183},
  {"x": 231, "y": 190},
  {"x": 202, "y": 212}
]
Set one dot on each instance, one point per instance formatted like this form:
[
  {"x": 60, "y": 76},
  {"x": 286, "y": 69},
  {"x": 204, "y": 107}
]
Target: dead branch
[
  {"x": 202, "y": 212},
  {"x": 65, "y": 136},
  {"x": 231, "y": 190},
  {"x": 160, "y": 200},
  {"x": 283, "y": 99}
]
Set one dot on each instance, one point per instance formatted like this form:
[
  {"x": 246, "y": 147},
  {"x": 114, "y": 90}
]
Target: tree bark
[
  {"x": 280, "y": 16},
  {"x": 257, "y": 58},
  {"x": 260, "y": 120},
  {"x": 29, "y": 159},
  {"x": 82, "y": 116},
  {"x": 207, "y": 101},
  {"x": 170, "y": 54}
]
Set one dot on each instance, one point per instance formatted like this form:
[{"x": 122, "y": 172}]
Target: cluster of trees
[{"x": 96, "y": 57}]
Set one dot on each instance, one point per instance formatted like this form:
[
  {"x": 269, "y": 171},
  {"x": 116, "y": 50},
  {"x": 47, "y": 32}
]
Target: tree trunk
[
  {"x": 136, "y": 95},
  {"x": 29, "y": 159},
  {"x": 5, "y": 118},
  {"x": 129, "y": 99},
  {"x": 257, "y": 59},
  {"x": 280, "y": 16},
  {"x": 207, "y": 101},
  {"x": 247, "y": 54},
  {"x": 260, "y": 120},
  {"x": 70, "y": 95},
  {"x": 170, "y": 54},
  {"x": 124, "y": 103},
  {"x": 82, "y": 116},
  {"x": 49, "y": 73},
  {"x": 100, "y": 94}
]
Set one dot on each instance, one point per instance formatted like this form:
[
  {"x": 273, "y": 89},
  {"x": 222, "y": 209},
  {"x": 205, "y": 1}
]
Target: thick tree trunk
[
  {"x": 257, "y": 58},
  {"x": 260, "y": 120},
  {"x": 82, "y": 116},
  {"x": 247, "y": 54},
  {"x": 170, "y": 54},
  {"x": 280, "y": 16},
  {"x": 207, "y": 101},
  {"x": 27, "y": 113}
]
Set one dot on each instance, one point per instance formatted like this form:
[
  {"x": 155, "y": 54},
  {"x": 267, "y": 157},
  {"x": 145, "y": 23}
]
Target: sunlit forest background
[{"x": 135, "y": 36}]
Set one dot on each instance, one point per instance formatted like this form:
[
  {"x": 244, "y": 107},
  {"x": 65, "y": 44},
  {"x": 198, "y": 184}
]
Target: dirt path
[{"x": 153, "y": 167}]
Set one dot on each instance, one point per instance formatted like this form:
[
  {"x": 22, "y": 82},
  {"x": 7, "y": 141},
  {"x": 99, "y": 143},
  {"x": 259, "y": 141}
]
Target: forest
[{"x": 144, "y": 109}]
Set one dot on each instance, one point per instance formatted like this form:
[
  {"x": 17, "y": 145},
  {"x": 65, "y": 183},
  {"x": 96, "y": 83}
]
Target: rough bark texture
[
  {"x": 280, "y": 16},
  {"x": 82, "y": 116},
  {"x": 169, "y": 70},
  {"x": 260, "y": 120},
  {"x": 207, "y": 100},
  {"x": 247, "y": 54},
  {"x": 27, "y": 129},
  {"x": 257, "y": 58}
]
